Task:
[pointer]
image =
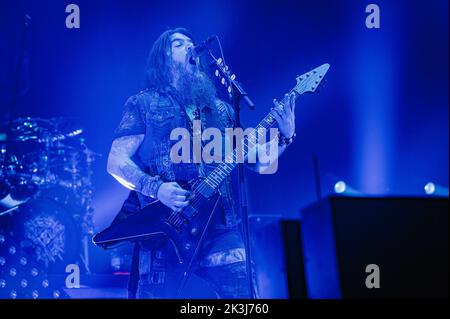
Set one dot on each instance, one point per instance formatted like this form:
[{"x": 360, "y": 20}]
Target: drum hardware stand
[
  {"x": 87, "y": 223},
  {"x": 85, "y": 254},
  {"x": 8, "y": 211}
]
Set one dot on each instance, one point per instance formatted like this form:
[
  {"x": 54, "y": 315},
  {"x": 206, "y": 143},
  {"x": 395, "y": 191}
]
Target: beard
[{"x": 194, "y": 87}]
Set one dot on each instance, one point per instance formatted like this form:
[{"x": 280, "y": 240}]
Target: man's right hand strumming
[{"x": 173, "y": 196}]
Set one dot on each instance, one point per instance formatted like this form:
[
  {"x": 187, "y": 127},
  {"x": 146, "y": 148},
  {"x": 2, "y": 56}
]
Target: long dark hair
[{"x": 158, "y": 73}]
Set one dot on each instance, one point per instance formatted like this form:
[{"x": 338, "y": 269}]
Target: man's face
[{"x": 180, "y": 45}]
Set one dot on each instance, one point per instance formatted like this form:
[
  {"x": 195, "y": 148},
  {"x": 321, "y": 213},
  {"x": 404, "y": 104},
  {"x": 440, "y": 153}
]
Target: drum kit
[{"x": 46, "y": 188}]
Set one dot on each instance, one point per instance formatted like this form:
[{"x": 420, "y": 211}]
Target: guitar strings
[{"x": 203, "y": 187}]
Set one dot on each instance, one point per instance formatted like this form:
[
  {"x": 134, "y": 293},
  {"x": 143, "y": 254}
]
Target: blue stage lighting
[
  {"x": 340, "y": 187},
  {"x": 23, "y": 261},
  {"x": 24, "y": 283},
  {"x": 35, "y": 294},
  {"x": 34, "y": 272},
  {"x": 45, "y": 283},
  {"x": 429, "y": 188},
  {"x": 13, "y": 272},
  {"x": 433, "y": 189},
  {"x": 12, "y": 250}
]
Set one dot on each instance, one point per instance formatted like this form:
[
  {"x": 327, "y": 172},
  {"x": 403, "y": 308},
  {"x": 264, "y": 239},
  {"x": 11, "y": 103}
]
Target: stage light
[
  {"x": 12, "y": 250},
  {"x": 21, "y": 276},
  {"x": 23, "y": 261},
  {"x": 34, "y": 272},
  {"x": 340, "y": 187},
  {"x": 13, "y": 272},
  {"x": 24, "y": 283},
  {"x": 429, "y": 188},
  {"x": 435, "y": 189},
  {"x": 2, "y": 239},
  {"x": 35, "y": 294}
]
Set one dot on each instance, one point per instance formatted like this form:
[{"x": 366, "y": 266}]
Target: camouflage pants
[{"x": 221, "y": 268}]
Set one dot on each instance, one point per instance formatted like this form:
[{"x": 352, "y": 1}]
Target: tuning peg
[
  {"x": 222, "y": 81},
  {"x": 219, "y": 61},
  {"x": 216, "y": 73},
  {"x": 229, "y": 89},
  {"x": 233, "y": 76}
]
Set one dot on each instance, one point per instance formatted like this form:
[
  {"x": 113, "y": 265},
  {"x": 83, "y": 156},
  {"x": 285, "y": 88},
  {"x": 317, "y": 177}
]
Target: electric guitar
[{"x": 186, "y": 229}]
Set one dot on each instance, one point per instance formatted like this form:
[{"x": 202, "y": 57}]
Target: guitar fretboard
[
  {"x": 307, "y": 82},
  {"x": 224, "y": 169}
]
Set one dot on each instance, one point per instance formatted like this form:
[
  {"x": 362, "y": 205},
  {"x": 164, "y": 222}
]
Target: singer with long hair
[{"x": 178, "y": 91}]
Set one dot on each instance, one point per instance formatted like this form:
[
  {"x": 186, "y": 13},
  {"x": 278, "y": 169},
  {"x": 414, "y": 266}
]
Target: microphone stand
[
  {"x": 242, "y": 178},
  {"x": 237, "y": 95}
]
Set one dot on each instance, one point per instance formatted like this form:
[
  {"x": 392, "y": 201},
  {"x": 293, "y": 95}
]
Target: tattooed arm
[{"x": 122, "y": 168}]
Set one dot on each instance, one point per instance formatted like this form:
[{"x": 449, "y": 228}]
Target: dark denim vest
[{"x": 162, "y": 112}]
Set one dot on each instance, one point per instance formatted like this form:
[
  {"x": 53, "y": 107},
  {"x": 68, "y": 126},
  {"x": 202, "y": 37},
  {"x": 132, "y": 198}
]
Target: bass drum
[{"x": 48, "y": 233}]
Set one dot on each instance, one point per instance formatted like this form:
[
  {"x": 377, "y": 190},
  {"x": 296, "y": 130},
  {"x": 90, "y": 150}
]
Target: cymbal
[
  {"x": 40, "y": 130},
  {"x": 29, "y": 122}
]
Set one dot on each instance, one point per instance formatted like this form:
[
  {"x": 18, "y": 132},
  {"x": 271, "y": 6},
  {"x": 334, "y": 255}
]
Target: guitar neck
[
  {"x": 306, "y": 83},
  {"x": 224, "y": 169}
]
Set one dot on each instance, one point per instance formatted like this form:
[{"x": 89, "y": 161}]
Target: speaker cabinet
[
  {"x": 393, "y": 247},
  {"x": 277, "y": 257}
]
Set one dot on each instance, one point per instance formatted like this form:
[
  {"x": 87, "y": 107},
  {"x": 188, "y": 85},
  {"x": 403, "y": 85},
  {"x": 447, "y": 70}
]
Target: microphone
[{"x": 198, "y": 50}]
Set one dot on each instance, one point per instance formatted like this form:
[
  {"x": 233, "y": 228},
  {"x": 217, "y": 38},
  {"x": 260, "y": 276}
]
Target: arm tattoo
[
  {"x": 122, "y": 167},
  {"x": 139, "y": 181}
]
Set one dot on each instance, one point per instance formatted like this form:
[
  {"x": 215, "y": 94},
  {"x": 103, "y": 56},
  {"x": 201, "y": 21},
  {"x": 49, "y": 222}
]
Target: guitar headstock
[
  {"x": 309, "y": 81},
  {"x": 223, "y": 75}
]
